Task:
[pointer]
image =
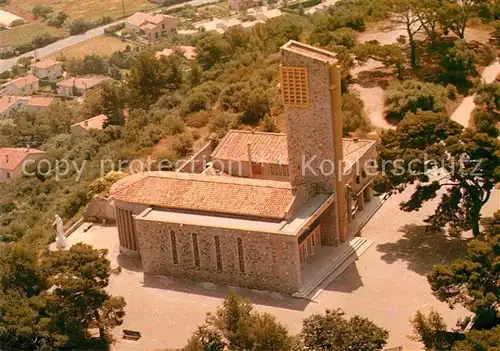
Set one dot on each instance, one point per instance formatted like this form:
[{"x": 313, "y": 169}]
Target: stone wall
[
  {"x": 197, "y": 162},
  {"x": 310, "y": 130},
  {"x": 100, "y": 209},
  {"x": 270, "y": 261}
]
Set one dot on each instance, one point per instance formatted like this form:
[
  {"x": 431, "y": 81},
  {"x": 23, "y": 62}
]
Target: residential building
[
  {"x": 82, "y": 128},
  {"x": 268, "y": 14},
  {"x": 79, "y": 86},
  {"x": 281, "y": 202},
  {"x": 9, "y": 103},
  {"x": 39, "y": 103},
  {"x": 14, "y": 160},
  {"x": 229, "y": 23},
  {"x": 9, "y": 20},
  {"x": 26, "y": 85},
  {"x": 47, "y": 69},
  {"x": 150, "y": 26},
  {"x": 189, "y": 52}
]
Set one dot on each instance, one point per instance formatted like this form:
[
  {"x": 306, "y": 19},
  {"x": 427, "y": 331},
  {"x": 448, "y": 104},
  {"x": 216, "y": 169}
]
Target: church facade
[{"x": 264, "y": 203}]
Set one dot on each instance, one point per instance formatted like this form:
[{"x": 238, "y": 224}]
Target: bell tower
[{"x": 311, "y": 94}]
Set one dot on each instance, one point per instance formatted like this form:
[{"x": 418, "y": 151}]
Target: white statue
[{"x": 60, "y": 239}]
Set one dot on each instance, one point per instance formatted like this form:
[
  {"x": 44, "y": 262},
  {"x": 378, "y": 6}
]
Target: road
[{"x": 7, "y": 64}]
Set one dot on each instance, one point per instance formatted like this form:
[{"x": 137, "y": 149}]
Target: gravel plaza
[{"x": 387, "y": 284}]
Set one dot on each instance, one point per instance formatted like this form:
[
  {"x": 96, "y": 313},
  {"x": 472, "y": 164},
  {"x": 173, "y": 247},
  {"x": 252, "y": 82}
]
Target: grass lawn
[
  {"x": 25, "y": 33},
  {"x": 102, "y": 45},
  {"x": 88, "y": 9}
]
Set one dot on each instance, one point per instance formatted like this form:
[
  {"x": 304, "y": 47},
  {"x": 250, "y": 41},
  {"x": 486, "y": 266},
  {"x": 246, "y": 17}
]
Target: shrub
[
  {"x": 79, "y": 26},
  {"x": 412, "y": 95},
  {"x": 57, "y": 20},
  {"x": 183, "y": 144},
  {"x": 354, "y": 117},
  {"x": 41, "y": 11}
]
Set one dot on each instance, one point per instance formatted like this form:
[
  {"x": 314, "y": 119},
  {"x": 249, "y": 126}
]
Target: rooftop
[
  {"x": 40, "y": 101},
  {"x": 22, "y": 82},
  {"x": 46, "y": 63},
  {"x": 93, "y": 123},
  {"x": 290, "y": 227},
  {"x": 140, "y": 18},
  {"x": 12, "y": 158},
  {"x": 197, "y": 192},
  {"x": 309, "y": 51},
  {"x": 189, "y": 52},
  {"x": 83, "y": 82},
  {"x": 272, "y": 147},
  {"x": 8, "y": 101}
]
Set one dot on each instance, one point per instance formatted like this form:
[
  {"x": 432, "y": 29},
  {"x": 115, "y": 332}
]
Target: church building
[{"x": 263, "y": 204}]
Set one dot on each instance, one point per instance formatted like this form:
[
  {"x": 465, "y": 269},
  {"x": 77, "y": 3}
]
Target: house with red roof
[
  {"x": 82, "y": 128},
  {"x": 14, "y": 161},
  {"x": 26, "y": 85},
  {"x": 152, "y": 27},
  {"x": 47, "y": 69}
]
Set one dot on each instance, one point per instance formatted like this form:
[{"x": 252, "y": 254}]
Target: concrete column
[
  {"x": 369, "y": 193},
  {"x": 361, "y": 201},
  {"x": 329, "y": 227},
  {"x": 349, "y": 204},
  {"x": 119, "y": 224}
]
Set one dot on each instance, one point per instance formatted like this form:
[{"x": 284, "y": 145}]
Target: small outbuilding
[{"x": 9, "y": 20}]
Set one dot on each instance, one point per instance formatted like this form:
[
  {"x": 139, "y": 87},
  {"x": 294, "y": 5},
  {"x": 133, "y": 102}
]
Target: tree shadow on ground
[
  {"x": 375, "y": 78},
  {"x": 422, "y": 248}
]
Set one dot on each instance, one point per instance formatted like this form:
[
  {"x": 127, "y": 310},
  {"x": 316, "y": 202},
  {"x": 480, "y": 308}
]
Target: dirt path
[
  {"x": 374, "y": 100},
  {"x": 463, "y": 113}
]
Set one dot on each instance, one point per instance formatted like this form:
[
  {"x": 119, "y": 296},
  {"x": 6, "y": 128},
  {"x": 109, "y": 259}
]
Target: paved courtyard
[{"x": 387, "y": 284}]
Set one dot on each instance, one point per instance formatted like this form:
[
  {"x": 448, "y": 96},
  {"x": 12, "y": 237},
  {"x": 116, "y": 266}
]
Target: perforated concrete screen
[{"x": 295, "y": 87}]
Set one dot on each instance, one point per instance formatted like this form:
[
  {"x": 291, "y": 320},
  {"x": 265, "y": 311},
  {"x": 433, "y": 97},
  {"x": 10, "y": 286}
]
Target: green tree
[
  {"x": 94, "y": 64},
  {"x": 480, "y": 340},
  {"x": 114, "y": 97},
  {"x": 146, "y": 82},
  {"x": 470, "y": 162},
  {"x": 473, "y": 281},
  {"x": 404, "y": 15},
  {"x": 41, "y": 11},
  {"x": 459, "y": 61},
  {"x": 79, "y": 299},
  {"x": 455, "y": 14},
  {"x": 426, "y": 328},
  {"x": 239, "y": 326},
  {"x": 412, "y": 96},
  {"x": 332, "y": 331}
]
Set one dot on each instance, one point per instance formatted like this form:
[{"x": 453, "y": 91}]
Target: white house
[
  {"x": 26, "y": 85},
  {"x": 47, "y": 69},
  {"x": 78, "y": 86},
  {"x": 151, "y": 26}
]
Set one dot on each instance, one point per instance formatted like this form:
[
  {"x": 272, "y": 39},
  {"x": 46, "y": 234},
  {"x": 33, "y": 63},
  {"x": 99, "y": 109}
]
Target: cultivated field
[
  {"x": 25, "y": 33},
  {"x": 88, "y": 9},
  {"x": 102, "y": 45}
]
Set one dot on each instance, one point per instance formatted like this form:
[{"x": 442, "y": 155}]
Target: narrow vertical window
[
  {"x": 196, "y": 250},
  {"x": 217, "y": 253},
  {"x": 173, "y": 240},
  {"x": 241, "y": 259}
]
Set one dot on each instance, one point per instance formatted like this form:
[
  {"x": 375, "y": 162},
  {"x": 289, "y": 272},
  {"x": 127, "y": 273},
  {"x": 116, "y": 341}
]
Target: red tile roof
[
  {"x": 12, "y": 158},
  {"x": 8, "y": 101},
  {"x": 40, "y": 101},
  {"x": 197, "y": 192},
  {"x": 272, "y": 148},
  {"x": 266, "y": 147},
  {"x": 93, "y": 123},
  {"x": 83, "y": 82},
  {"x": 46, "y": 63},
  {"x": 21, "y": 82}
]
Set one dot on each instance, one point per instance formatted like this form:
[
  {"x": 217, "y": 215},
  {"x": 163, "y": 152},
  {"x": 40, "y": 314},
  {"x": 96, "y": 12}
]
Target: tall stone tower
[{"x": 311, "y": 93}]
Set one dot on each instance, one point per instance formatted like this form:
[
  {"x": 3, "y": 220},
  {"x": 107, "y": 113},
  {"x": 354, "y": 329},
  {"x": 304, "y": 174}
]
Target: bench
[{"x": 131, "y": 334}]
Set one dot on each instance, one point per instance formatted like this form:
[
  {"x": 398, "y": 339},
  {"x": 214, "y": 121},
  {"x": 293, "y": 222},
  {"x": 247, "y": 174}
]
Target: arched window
[
  {"x": 241, "y": 259},
  {"x": 196, "y": 250},
  {"x": 218, "y": 253},
  {"x": 173, "y": 241}
]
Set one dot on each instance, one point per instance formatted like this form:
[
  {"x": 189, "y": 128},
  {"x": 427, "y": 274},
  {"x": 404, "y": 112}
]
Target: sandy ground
[
  {"x": 102, "y": 45},
  {"x": 387, "y": 284},
  {"x": 463, "y": 113}
]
